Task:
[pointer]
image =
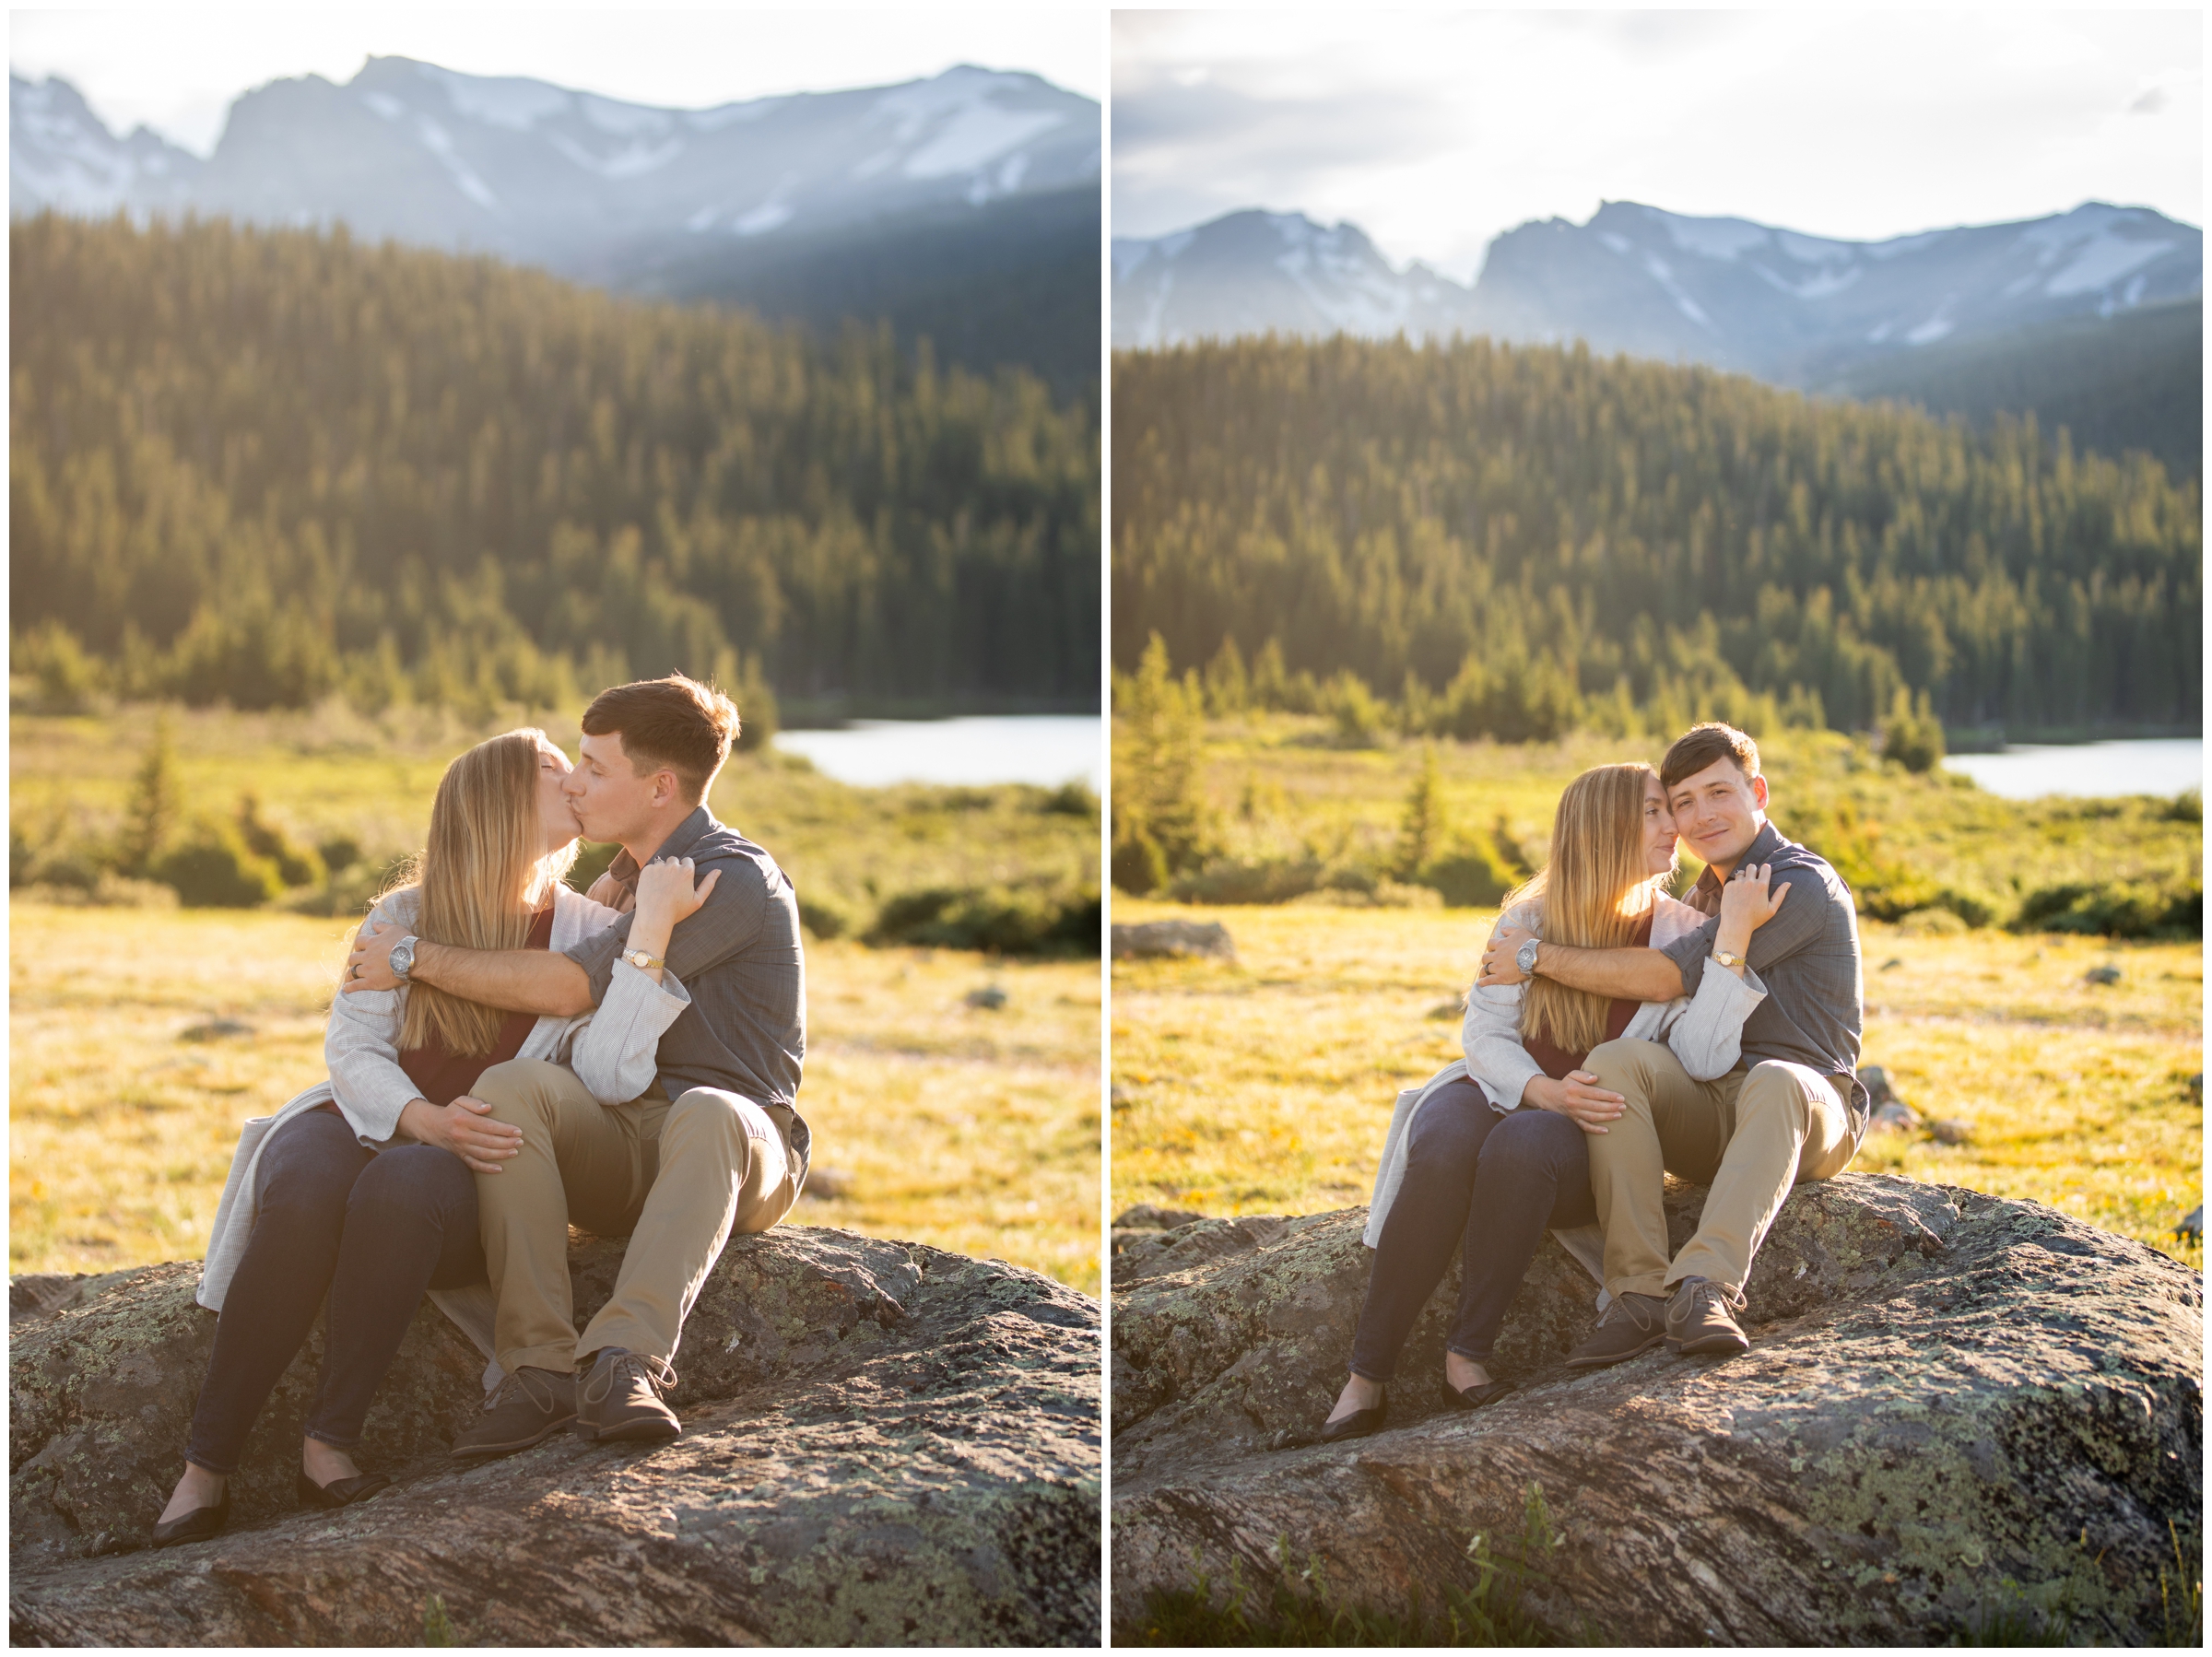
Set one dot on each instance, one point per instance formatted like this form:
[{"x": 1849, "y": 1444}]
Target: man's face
[
  {"x": 1719, "y": 812},
  {"x": 611, "y": 801}
]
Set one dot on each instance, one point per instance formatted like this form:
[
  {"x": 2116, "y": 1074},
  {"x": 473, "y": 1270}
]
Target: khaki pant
[
  {"x": 677, "y": 1179},
  {"x": 1749, "y": 1135}
]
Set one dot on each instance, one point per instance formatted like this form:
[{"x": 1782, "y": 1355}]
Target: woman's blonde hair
[
  {"x": 482, "y": 877},
  {"x": 1595, "y": 891}
]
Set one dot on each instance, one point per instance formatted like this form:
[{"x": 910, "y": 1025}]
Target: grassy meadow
[
  {"x": 1266, "y": 1086},
  {"x": 967, "y": 1127}
]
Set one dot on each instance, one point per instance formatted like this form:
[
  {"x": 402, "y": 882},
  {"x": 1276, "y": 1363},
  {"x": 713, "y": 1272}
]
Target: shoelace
[
  {"x": 656, "y": 1373},
  {"x": 521, "y": 1381},
  {"x": 1707, "y": 1290}
]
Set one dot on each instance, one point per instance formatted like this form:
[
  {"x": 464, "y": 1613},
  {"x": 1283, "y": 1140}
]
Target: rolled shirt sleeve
[{"x": 612, "y": 1049}]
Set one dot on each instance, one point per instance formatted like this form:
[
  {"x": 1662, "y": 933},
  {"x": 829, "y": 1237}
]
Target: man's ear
[{"x": 1759, "y": 793}]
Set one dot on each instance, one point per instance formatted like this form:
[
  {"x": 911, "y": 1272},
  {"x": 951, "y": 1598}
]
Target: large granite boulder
[
  {"x": 883, "y": 1443},
  {"x": 1957, "y": 1413}
]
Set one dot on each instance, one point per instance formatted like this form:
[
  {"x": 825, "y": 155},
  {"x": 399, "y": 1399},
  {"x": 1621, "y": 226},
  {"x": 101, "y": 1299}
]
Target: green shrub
[
  {"x": 2120, "y": 909},
  {"x": 590, "y": 863},
  {"x": 1004, "y": 919},
  {"x": 1257, "y": 880},
  {"x": 339, "y": 853},
  {"x": 1912, "y": 736},
  {"x": 214, "y": 869},
  {"x": 1138, "y": 866},
  {"x": 349, "y": 891},
  {"x": 824, "y": 917},
  {"x": 66, "y": 679},
  {"x": 1472, "y": 876},
  {"x": 1073, "y": 800},
  {"x": 296, "y": 864}
]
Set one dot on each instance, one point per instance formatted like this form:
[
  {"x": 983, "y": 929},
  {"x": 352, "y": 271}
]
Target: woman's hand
[
  {"x": 1747, "y": 904},
  {"x": 665, "y": 894},
  {"x": 466, "y": 1128},
  {"x": 1579, "y": 1098}
]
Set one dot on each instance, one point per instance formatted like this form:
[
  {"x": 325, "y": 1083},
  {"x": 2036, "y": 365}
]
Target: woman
[
  {"x": 1460, "y": 1170},
  {"x": 364, "y": 1186}
]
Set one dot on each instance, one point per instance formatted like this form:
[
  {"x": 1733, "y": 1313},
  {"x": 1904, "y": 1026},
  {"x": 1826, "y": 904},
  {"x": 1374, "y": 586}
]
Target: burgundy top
[
  {"x": 443, "y": 1077},
  {"x": 1556, "y": 1061}
]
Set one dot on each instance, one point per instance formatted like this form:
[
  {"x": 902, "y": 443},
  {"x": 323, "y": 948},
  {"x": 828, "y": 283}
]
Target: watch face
[
  {"x": 1526, "y": 956},
  {"x": 403, "y": 958}
]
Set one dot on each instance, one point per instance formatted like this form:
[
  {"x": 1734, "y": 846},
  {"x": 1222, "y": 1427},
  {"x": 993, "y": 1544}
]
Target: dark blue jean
[
  {"x": 373, "y": 1230},
  {"x": 1487, "y": 1185}
]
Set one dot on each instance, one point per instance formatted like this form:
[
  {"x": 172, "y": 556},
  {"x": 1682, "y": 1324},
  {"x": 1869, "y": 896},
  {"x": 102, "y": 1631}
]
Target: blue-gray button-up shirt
[
  {"x": 1808, "y": 955},
  {"x": 740, "y": 957}
]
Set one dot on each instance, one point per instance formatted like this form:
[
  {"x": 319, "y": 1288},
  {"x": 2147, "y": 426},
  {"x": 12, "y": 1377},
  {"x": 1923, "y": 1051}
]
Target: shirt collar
[
  {"x": 681, "y": 839},
  {"x": 1764, "y": 845}
]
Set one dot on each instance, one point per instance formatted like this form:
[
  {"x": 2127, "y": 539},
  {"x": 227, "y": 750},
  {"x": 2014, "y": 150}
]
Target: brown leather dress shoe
[
  {"x": 1698, "y": 1319},
  {"x": 1632, "y": 1325},
  {"x": 531, "y": 1405},
  {"x": 620, "y": 1399}
]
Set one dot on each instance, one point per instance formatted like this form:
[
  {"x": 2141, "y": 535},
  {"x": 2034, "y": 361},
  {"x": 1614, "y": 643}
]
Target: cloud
[{"x": 1435, "y": 132}]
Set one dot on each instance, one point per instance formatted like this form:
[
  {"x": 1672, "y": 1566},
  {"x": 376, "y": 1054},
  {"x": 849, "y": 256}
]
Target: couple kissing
[
  {"x": 507, "y": 1055},
  {"x": 1615, "y": 1035}
]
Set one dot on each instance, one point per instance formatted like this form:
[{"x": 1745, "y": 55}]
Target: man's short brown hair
[
  {"x": 674, "y": 723},
  {"x": 1702, "y": 745}
]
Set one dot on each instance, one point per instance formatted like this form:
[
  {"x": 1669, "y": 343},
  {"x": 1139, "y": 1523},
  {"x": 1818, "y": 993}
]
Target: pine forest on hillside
[
  {"x": 1522, "y": 541},
  {"x": 261, "y": 466}
]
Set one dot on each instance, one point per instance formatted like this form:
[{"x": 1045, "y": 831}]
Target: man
[
  {"x": 1793, "y": 1109},
  {"x": 715, "y": 1145}
]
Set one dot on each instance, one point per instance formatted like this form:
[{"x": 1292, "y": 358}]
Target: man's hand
[
  {"x": 466, "y": 1128},
  {"x": 1579, "y": 1099},
  {"x": 370, "y": 965},
  {"x": 1499, "y": 967}
]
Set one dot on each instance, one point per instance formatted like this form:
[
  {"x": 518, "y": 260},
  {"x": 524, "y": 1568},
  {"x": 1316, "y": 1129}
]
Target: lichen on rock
[
  {"x": 884, "y": 1443},
  {"x": 1953, "y": 1403}
]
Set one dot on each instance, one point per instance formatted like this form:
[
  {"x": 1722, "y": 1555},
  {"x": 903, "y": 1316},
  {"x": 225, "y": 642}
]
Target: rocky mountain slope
[
  {"x": 938, "y": 204},
  {"x": 1794, "y": 309}
]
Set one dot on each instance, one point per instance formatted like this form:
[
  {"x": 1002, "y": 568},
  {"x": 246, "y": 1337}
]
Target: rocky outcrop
[
  {"x": 1956, "y": 1409},
  {"x": 883, "y": 1443},
  {"x": 1172, "y": 940}
]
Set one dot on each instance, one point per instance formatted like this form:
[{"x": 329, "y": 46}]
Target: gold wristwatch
[
  {"x": 641, "y": 961},
  {"x": 1730, "y": 961}
]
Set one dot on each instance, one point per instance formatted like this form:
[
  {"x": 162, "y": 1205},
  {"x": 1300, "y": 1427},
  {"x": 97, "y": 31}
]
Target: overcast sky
[
  {"x": 178, "y": 70},
  {"x": 1434, "y": 132}
]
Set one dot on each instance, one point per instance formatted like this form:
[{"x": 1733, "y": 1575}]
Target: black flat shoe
[
  {"x": 1357, "y": 1425},
  {"x": 340, "y": 1492},
  {"x": 195, "y": 1526},
  {"x": 1475, "y": 1398}
]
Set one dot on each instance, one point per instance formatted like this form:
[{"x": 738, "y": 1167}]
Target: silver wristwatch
[
  {"x": 1524, "y": 958},
  {"x": 403, "y": 957}
]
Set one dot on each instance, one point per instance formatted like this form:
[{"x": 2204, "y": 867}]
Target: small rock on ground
[{"x": 1173, "y": 940}]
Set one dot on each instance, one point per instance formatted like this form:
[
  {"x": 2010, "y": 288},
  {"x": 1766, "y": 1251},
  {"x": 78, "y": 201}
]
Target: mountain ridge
[
  {"x": 1782, "y": 305},
  {"x": 944, "y": 205}
]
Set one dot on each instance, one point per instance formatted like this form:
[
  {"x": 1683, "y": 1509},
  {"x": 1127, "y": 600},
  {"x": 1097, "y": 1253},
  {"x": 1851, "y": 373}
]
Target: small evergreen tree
[
  {"x": 1422, "y": 830},
  {"x": 1164, "y": 804},
  {"x": 156, "y": 805}
]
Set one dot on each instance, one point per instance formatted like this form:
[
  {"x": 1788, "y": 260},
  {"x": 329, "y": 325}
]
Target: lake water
[
  {"x": 2029, "y": 771},
  {"x": 1043, "y": 748}
]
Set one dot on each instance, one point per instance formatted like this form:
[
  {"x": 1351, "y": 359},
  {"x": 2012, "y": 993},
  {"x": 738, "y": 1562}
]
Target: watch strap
[{"x": 643, "y": 962}]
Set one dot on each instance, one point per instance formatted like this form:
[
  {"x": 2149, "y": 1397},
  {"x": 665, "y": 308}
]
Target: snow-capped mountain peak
[{"x": 1729, "y": 291}]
